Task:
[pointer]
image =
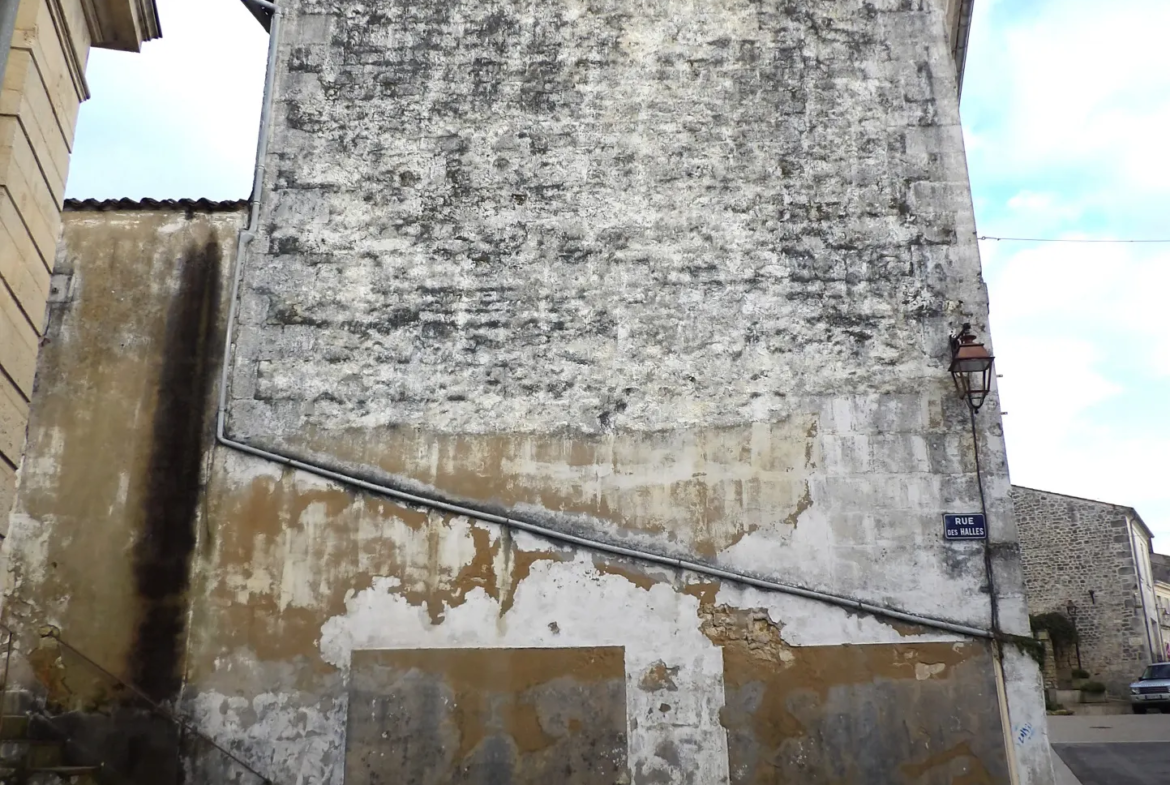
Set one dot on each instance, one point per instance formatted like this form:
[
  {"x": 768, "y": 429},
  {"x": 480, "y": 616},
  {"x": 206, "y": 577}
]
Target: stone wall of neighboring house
[
  {"x": 667, "y": 277},
  {"x": 1082, "y": 551},
  {"x": 42, "y": 70},
  {"x": 110, "y": 493}
]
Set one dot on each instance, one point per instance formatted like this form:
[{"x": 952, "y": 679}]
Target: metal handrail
[
  {"x": 63, "y": 738},
  {"x": 157, "y": 708}
]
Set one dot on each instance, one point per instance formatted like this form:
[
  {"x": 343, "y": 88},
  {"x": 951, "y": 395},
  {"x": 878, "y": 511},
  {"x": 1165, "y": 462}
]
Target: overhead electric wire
[{"x": 1063, "y": 240}]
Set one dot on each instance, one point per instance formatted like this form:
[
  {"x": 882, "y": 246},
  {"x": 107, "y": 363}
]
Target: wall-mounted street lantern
[{"x": 971, "y": 367}]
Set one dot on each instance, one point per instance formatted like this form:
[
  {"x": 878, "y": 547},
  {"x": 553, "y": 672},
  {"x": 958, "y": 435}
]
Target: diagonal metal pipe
[{"x": 340, "y": 475}]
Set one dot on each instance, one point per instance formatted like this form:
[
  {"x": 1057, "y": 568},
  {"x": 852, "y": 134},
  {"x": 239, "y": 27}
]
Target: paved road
[{"x": 1119, "y": 750}]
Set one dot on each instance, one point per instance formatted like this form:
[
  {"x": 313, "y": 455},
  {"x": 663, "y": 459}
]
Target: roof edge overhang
[
  {"x": 144, "y": 205},
  {"x": 262, "y": 14},
  {"x": 122, "y": 25},
  {"x": 960, "y": 37},
  {"x": 1128, "y": 511}
]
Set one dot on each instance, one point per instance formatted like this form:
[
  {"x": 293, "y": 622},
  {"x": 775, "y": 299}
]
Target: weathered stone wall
[
  {"x": 676, "y": 275},
  {"x": 110, "y": 493},
  {"x": 294, "y": 582},
  {"x": 1080, "y": 550}
]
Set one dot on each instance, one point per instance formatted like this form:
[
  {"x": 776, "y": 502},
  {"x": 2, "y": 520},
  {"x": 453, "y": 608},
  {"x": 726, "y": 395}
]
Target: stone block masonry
[
  {"x": 671, "y": 274},
  {"x": 591, "y": 218}
]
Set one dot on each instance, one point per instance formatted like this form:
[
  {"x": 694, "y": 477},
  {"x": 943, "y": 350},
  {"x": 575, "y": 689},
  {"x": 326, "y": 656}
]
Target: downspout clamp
[{"x": 248, "y": 234}]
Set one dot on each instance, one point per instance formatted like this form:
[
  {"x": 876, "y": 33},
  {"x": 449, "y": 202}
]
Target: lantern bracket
[{"x": 971, "y": 367}]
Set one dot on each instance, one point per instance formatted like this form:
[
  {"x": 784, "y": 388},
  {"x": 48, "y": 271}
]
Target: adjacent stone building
[
  {"x": 1090, "y": 561},
  {"x": 585, "y": 416},
  {"x": 44, "y": 45}
]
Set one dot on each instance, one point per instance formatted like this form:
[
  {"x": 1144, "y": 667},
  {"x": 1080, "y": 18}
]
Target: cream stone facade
[
  {"x": 1160, "y": 564},
  {"x": 44, "y": 45}
]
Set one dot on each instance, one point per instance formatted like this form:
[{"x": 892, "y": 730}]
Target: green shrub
[
  {"x": 1093, "y": 687},
  {"x": 1078, "y": 673}
]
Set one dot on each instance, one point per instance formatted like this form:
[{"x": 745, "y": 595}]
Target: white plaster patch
[
  {"x": 27, "y": 547},
  {"x": 567, "y": 604},
  {"x": 285, "y": 740},
  {"x": 924, "y": 671},
  {"x": 808, "y": 623}
]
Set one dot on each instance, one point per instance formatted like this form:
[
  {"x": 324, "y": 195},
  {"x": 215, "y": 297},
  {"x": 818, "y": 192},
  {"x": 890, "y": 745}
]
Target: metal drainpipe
[
  {"x": 7, "y": 30},
  {"x": 432, "y": 502}
]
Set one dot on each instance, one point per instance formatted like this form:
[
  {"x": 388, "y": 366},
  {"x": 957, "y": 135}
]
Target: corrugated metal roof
[{"x": 185, "y": 205}]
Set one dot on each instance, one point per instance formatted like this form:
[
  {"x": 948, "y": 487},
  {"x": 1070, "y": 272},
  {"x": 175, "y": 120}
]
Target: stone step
[
  {"x": 13, "y": 726},
  {"x": 50, "y": 778},
  {"x": 31, "y": 752},
  {"x": 57, "y": 775}
]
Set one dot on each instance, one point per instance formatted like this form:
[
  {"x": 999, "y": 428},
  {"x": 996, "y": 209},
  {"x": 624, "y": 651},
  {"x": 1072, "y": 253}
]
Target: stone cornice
[{"x": 121, "y": 24}]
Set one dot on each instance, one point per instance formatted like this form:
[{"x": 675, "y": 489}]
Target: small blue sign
[{"x": 965, "y": 526}]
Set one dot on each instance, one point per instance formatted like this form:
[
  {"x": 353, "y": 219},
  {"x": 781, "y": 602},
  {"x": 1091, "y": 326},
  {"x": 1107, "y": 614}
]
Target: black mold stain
[{"x": 170, "y": 507}]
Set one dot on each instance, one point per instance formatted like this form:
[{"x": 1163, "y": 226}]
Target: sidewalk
[
  {"x": 1124, "y": 748},
  {"x": 1115, "y": 729},
  {"x": 1063, "y": 775}
]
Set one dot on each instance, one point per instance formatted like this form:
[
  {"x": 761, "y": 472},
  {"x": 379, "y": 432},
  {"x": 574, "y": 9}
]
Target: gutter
[
  {"x": 432, "y": 502},
  {"x": 962, "y": 38}
]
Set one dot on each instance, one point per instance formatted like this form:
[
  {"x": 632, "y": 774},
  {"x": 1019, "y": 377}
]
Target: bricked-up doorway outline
[
  {"x": 920, "y": 714},
  {"x": 480, "y": 716}
]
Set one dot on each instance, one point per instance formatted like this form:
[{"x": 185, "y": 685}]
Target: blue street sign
[{"x": 965, "y": 526}]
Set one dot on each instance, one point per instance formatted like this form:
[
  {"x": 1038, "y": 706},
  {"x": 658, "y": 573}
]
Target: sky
[{"x": 1066, "y": 115}]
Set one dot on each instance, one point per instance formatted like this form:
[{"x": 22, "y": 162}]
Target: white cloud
[
  {"x": 1081, "y": 342},
  {"x": 1066, "y": 108},
  {"x": 1100, "y": 291},
  {"x": 1042, "y": 210},
  {"x": 1073, "y": 77}
]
